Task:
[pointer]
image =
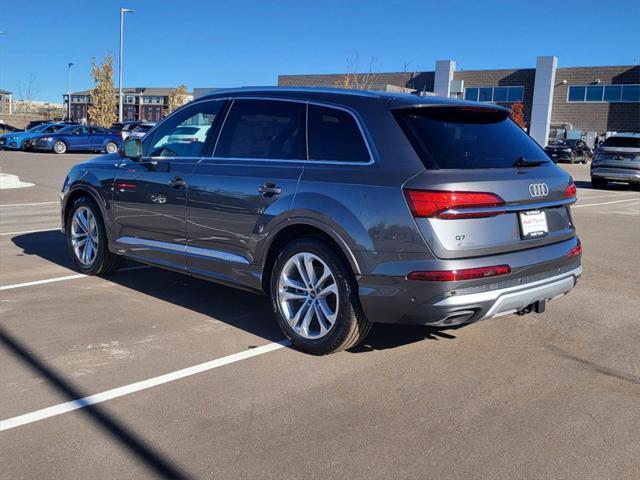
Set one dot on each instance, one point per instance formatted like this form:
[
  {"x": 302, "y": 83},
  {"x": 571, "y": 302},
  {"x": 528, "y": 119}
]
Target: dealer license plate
[{"x": 533, "y": 224}]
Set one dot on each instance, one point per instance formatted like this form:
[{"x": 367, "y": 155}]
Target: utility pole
[
  {"x": 69, "y": 90},
  {"x": 122, "y": 12}
]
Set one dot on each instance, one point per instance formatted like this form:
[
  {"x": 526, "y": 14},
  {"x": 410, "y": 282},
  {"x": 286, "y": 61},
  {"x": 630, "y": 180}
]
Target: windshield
[
  {"x": 66, "y": 129},
  {"x": 38, "y": 128},
  {"x": 622, "y": 142},
  {"x": 570, "y": 142},
  {"x": 467, "y": 137}
]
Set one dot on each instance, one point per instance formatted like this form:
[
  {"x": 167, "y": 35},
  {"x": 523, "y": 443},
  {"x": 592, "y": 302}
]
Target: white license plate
[{"x": 533, "y": 224}]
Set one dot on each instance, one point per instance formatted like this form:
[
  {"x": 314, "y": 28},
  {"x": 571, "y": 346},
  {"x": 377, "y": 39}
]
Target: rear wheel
[
  {"x": 314, "y": 296},
  {"x": 59, "y": 147},
  {"x": 87, "y": 239},
  {"x": 111, "y": 147},
  {"x": 598, "y": 182}
]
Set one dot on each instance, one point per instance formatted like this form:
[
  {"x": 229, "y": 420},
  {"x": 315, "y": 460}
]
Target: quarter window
[
  {"x": 168, "y": 140},
  {"x": 266, "y": 129},
  {"x": 334, "y": 136}
]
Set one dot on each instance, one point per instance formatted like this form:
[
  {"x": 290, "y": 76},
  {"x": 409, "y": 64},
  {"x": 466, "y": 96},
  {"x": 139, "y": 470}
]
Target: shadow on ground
[
  {"x": 239, "y": 309},
  {"x": 611, "y": 187}
]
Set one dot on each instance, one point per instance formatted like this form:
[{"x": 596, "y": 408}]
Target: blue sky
[{"x": 225, "y": 43}]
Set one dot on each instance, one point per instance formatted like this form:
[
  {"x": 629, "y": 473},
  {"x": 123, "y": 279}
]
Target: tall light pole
[
  {"x": 69, "y": 91},
  {"x": 122, "y": 12}
]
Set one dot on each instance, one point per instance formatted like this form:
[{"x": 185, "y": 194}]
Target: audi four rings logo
[{"x": 538, "y": 190}]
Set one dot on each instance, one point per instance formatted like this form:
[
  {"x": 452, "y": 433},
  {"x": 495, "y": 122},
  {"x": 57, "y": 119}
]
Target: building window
[
  {"x": 494, "y": 94},
  {"x": 604, "y": 93}
]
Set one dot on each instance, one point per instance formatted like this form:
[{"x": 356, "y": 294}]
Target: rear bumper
[
  {"x": 395, "y": 299},
  {"x": 616, "y": 174}
]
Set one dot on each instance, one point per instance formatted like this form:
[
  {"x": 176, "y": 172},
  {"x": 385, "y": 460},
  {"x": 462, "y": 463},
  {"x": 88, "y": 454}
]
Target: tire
[
  {"x": 598, "y": 182},
  {"x": 111, "y": 147},
  {"x": 349, "y": 326},
  {"x": 59, "y": 147},
  {"x": 102, "y": 261}
]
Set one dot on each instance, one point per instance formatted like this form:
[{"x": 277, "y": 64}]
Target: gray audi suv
[{"x": 345, "y": 207}]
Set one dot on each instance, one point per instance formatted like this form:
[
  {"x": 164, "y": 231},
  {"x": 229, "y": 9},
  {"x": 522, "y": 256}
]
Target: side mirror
[{"x": 131, "y": 148}]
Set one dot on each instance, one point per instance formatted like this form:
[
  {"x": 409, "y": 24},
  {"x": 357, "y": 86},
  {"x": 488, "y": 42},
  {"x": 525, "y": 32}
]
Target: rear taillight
[
  {"x": 434, "y": 203},
  {"x": 575, "y": 251},
  {"x": 570, "y": 191},
  {"x": 456, "y": 275}
]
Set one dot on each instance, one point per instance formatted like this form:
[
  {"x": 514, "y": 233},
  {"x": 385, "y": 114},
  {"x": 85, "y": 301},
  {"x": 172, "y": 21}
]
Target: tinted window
[
  {"x": 486, "y": 94},
  {"x": 516, "y": 94},
  {"x": 471, "y": 94},
  {"x": 263, "y": 129},
  {"x": 164, "y": 144},
  {"x": 52, "y": 129},
  {"x": 622, "y": 142},
  {"x": 100, "y": 130},
  {"x": 466, "y": 137},
  {"x": 631, "y": 93},
  {"x": 612, "y": 93},
  {"x": 576, "y": 94},
  {"x": 334, "y": 135},
  {"x": 594, "y": 93},
  {"x": 500, "y": 94}
]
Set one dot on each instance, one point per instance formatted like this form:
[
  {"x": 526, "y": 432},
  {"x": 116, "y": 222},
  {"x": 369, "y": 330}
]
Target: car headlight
[
  {"x": 566, "y": 150},
  {"x": 46, "y": 139},
  {"x": 12, "y": 138}
]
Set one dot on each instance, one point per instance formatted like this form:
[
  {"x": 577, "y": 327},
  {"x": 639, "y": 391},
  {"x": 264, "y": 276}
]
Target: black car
[{"x": 572, "y": 150}]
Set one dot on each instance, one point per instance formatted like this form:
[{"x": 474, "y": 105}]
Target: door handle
[
  {"x": 269, "y": 189},
  {"x": 177, "y": 182}
]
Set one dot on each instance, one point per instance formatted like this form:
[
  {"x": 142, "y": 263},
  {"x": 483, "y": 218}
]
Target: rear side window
[
  {"x": 622, "y": 142},
  {"x": 267, "y": 129},
  {"x": 466, "y": 137},
  {"x": 334, "y": 135}
]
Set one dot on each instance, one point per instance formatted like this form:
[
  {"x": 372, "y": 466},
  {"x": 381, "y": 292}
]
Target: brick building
[
  {"x": 589, "y": 99},
  {"x": 140, "y": 103}
]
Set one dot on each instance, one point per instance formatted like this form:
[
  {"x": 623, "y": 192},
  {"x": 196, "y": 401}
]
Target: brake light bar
[
  {"x": 434, "y": 203},
  {"x": 456, "y": 275}
]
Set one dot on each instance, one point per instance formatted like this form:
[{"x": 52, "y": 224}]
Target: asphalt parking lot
[{"x": 552, "y": 396}]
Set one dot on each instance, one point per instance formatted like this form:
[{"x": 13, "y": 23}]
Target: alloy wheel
[
  {"x": 84, "y": 236},
  {"x": 60, "y": 147},
  {"x": 308, "y": 295}
]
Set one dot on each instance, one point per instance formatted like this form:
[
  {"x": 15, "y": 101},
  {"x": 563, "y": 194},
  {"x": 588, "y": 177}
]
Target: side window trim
[{"x": 209, "y": 154}]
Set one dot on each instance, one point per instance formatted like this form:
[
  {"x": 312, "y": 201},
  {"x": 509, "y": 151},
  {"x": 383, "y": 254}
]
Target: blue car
[
  {"x": 16, "y": 140},
  {"x": 78, "y": 137}
]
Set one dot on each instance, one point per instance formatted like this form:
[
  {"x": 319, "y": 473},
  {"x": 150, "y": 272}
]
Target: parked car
[
  {"x": 78, "y": 137},
  {"x": 571, "y": 150},
  {"x": 124, "y": 128},
  {"x": 21, "y": 140},
  {"x": 617, "y": 159},
  {"x": 189, "y": 133},
  {"x": 7, "y": 128},
  {"x": 141, "y": 130},
  {"x": 345, "y": 207}
]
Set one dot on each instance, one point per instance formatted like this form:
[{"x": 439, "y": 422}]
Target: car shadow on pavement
[
  {"x": 243, "y": 310},
  {"x": 612, "y": 186},
  {"x": 159, "y": 465}
]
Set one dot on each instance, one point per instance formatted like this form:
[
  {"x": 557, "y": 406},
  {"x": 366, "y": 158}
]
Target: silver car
[
  {"x": 617, "y": 159},
  {"x": 346, "y": 208}
]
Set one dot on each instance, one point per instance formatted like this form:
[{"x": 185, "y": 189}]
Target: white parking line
[
  {"x": 63, "y": 279},
  {"x": 606, "y": 203},
  {"x": 137, "y": 386},
  {"x": 29, "y": 204},
  {"x": 51, "y": 229}
]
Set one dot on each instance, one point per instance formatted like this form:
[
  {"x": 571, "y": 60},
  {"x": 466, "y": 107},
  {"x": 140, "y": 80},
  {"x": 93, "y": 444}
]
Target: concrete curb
[{"x": 12, "y": 181}]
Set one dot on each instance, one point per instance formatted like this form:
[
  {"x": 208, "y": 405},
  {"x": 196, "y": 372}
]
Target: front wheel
[
  {"x": 111, "y": 147},
  {"x": 314, "y": 296},
  {"x": 59, "y": 147},
  {"x": 87, "y": 239}
]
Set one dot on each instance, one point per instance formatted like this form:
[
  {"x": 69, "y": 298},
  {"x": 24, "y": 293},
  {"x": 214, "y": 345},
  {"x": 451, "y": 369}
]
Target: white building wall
[{"x": 543, "y": 98}]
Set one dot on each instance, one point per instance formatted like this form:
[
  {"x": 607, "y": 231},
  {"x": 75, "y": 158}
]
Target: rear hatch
[
  {"x": 488, "y": 188},
  {"x": 618, "y": 152}
]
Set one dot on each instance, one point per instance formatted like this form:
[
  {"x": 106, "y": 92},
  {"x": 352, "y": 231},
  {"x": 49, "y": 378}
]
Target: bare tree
[
  {"x": 28, "y": 93},
  {"x": 359, "y": 81}
]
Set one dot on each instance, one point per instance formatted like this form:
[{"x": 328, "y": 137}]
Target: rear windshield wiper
[{"x": 523, "y": 162}]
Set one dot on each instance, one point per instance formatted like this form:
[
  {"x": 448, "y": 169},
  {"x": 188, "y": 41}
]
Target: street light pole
[
  {"x": 69, "y": 91},
  {"x": 4, "y": 33},
  {"x": 122, "y": 12}
]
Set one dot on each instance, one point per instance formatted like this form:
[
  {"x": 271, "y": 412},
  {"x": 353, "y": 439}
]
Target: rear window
[
  {"x": 622, "y": 142},
  {"x": 466, "y": 137},
  {"x": 143, "y": 128}
]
